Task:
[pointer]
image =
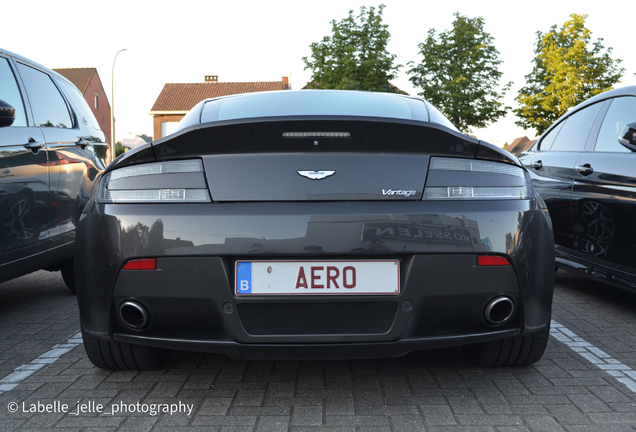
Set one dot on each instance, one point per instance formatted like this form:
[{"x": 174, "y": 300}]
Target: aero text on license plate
[{"x": 317, "y": 277}]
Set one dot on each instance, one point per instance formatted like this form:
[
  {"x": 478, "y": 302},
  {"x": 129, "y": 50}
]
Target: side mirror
[
  {"x": 627, "y": 138},
  {"x": 7, "y": 114}
]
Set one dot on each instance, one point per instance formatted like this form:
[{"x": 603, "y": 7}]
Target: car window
[
  {"x": 621, "y": 111},
  {"x": 548, "y": 140},
  {"x": 48, "y": 106},
  {"x": 575, "y": 130},
  {"x": 10, "y": 92},
  {"x": 80, "y": 106},
  {"x": 314, "y": 103},
  {"x": 437, "y": 117}
]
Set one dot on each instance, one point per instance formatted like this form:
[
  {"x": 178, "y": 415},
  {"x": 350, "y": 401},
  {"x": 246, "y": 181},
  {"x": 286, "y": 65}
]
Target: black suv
[
  {"x": 51, "y": 151},
  {"x": 584, "y": 167}
]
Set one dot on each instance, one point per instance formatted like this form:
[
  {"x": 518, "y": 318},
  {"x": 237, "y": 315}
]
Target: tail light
[
  {"x": 450, "y": 178},
  {"x": 161, "y": 182}
]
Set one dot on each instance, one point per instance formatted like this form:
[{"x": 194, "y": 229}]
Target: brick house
[
  {"x": 520, "y": 145},
  {"x": 88, "y": 82},
  {"x": 175, "y": 100}
]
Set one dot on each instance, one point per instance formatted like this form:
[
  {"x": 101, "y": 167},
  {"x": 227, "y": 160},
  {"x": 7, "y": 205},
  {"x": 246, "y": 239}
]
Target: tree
[
  {"x": 120, "y": 148},
  {"x": 568, "y": 69},
  {"x": 355, "y": 56},
  {"x": 459, "y": 74}
]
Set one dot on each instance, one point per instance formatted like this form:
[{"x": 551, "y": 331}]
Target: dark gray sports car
[{"x": 314, "y": 224}]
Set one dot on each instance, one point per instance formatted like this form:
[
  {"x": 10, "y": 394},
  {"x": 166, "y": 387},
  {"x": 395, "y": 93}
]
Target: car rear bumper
[
  {"x": 191, "y": 301},
  {"x": 325, "y": 351}
]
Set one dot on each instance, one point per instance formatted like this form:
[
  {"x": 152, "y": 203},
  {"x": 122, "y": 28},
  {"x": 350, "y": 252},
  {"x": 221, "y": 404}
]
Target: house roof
[
  {"x": 145, "y": 138},
  {"x": 520, "y": 145},
  {"x": 182, "y": 97},
  {"x": 81, "y": 77}
]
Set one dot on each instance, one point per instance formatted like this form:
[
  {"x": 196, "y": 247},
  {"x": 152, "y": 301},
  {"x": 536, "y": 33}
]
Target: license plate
[{"x": 317, "y": 277}]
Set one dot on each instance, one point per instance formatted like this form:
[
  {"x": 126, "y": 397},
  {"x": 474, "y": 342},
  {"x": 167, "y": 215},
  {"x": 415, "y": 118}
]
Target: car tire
[
  {"x": 516, "y": 351},
  {"x": 68, "y": 274},
  {"x": 123, "y": 356}
]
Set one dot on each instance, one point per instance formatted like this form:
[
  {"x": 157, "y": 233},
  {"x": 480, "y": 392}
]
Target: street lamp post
[{"x": 112, "y": 109}]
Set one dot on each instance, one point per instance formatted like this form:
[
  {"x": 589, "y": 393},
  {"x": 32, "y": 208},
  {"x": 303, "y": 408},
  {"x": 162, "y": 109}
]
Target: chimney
[
  {"x": 211, "y": 78},
  {"x": 286, "y": 81}
]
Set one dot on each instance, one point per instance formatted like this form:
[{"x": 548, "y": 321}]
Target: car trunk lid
[
  {"x": 330, "y": 159},
  {"x": 315, "y": 177}
]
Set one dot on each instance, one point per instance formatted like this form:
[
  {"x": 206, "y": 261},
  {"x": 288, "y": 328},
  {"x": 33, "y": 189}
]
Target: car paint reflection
[
  {"x": 597, "y": 224},
  {"x": 146, "y": 236}
]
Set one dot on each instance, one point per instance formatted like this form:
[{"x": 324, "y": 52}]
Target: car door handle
[
  {"x": 537, "y": 165},
  {"x": 584, "y": 170},
  {"x": 82, "y": 143},
  {"x": 33, "y": 145}
]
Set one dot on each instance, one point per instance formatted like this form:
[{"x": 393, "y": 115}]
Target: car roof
[
  {"x": 312, "y": 103},
  {"x": 622, "y": 91},
  {"x": 30, "y": 62}
]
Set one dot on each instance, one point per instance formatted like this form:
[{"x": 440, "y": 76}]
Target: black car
[
  {"x": 51, "y": 151},
  {"x": 314, "y": 224},
  {"x": 584, "y": 167}
]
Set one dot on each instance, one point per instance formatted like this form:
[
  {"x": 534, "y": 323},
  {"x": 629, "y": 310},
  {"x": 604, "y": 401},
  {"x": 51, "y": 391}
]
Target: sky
[{"x": 180, "y": 42}]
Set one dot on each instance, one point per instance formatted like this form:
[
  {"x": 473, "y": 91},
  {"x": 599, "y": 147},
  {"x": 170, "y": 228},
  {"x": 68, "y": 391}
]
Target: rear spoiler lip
[
  {"x": 488, "y": 151},
  {"x": 312, "y": 118}
]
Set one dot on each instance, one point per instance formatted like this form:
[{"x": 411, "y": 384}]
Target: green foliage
[
  {"x": 568, "y": 69},
  {"x": 459, "y": 74},
  {"x": 355, "y": 56},
  {"x": 120, "y": 148}
]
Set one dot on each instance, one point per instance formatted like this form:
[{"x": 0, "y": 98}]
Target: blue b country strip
[{"x": 244, "y": 278}]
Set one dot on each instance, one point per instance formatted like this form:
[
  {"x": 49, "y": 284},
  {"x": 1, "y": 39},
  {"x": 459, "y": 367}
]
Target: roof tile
[
  {"x": 520, "y": 145},
  {"x": 81, "y": 77},
  {"x": 182, "y": 97}
]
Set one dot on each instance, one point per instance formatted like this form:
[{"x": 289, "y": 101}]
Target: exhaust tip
[
  {"x": 499, "y": 310},
  {"x": 134, "y": 315}
]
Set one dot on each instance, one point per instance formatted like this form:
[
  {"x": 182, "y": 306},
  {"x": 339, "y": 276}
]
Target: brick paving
[{"x": 435, "y": 390}]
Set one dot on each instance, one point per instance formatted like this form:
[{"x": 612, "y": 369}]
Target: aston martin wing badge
[{"x": 316, "y": 175}]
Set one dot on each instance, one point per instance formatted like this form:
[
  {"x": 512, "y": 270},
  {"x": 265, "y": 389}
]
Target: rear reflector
[
  {"x": 142, "y": 264},
  {"x": 491, "y": 260},
  {"x": 470, "y": 192},
  {"x": 154, "y": 195}
]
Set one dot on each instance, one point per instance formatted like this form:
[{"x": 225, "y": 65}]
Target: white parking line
[
  {"x": 597, "y": 357},
  {"x": 21, "y": 373},
  {"x": 600, "y": 359}
]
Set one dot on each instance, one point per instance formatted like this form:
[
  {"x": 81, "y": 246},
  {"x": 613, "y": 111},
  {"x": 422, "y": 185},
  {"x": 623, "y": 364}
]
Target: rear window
[{"x": 314, "y": 103}]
